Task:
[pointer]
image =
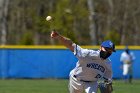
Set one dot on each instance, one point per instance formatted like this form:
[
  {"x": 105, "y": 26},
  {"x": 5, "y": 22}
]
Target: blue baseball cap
[{"x": 108, "y": 44}]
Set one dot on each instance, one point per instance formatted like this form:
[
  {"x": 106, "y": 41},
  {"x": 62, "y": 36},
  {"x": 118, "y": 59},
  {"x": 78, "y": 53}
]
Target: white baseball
[{"x": 48, "y": 18}]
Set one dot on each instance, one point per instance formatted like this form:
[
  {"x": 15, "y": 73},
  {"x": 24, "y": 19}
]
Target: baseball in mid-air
[{"x": 48, "y": 18}]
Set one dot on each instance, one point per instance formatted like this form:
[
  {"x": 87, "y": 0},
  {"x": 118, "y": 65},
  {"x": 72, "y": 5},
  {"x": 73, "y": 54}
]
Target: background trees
[{"x": 86, "y": 22}]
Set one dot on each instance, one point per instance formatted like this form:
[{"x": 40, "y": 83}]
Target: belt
[{"x": 82, "y": 80}]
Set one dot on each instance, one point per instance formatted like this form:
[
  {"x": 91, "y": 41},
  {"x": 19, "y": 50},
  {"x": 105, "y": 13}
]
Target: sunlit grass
[{"x": 56, "y": 86}]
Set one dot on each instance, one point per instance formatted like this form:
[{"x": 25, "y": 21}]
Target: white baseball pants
[{"x": 76, "y": 86}]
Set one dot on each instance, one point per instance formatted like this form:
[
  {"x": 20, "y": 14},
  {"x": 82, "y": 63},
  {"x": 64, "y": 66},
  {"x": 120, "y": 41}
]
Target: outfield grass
[
  {"x": 56, "y": 86},
  {"x": 33, "y": 86},
  {"x": 121, "y": 87}
]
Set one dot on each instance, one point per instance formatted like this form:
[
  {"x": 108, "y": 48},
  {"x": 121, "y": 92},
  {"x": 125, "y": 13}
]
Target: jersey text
[{"x": 96, "y": 66}]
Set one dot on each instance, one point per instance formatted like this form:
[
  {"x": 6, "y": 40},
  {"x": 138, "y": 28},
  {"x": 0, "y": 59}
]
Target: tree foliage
[{"x": 117, "y": 20}]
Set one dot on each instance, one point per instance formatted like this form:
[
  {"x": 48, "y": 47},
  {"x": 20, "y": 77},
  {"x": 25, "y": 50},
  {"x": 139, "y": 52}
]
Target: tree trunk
[
  {"x": 123, "y": 37},
  {"x": 136, "y": 37},
  {"x": 110, "y": 15},
  {"x": 92, "y": 26},
  {"x": 3, "y": 17}
]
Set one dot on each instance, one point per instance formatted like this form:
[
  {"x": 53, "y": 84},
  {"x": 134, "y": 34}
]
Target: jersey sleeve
[
  {"x": 122, "y": 57},
  {"x": 80, "y": 52},
  {"x": 132, "y": 56}
]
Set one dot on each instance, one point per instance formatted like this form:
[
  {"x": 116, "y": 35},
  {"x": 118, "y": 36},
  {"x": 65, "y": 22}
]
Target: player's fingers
[
  {"x": 54, "y": 34},
  {"x": 51, "y": 35}
]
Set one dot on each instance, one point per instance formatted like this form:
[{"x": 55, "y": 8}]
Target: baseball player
[
  {"x": 91, "y": 67},
  {"x": 127, "y": 59}
]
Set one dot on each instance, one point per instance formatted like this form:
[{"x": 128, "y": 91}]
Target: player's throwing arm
[{"x": 65, "y": 41}]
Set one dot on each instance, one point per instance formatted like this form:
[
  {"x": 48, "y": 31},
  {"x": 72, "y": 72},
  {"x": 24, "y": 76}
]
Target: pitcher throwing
[{"x": 92, "y": 66}]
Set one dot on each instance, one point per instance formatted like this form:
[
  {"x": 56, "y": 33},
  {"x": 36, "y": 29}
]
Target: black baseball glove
[{"x": 105, "y": 87}]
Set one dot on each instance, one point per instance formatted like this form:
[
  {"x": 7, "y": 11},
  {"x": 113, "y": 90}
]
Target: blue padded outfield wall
[{"x": 50, "y": 63}]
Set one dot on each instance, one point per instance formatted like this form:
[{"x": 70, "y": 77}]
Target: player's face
[
  {"x": 105, "y": 52},
  {"x": 108, "y": 49}
]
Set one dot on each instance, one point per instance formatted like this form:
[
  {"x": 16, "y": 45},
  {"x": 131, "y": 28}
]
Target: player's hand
[
  {"x": 54, "y": 34},
  {"x": 105, "y": 87}
]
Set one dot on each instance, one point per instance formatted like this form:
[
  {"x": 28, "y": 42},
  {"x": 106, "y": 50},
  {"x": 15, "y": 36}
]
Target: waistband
[{"x": 82, "y": 80}]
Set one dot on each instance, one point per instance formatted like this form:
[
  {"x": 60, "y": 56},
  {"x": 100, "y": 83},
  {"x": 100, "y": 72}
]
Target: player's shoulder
[
  {"x": 92, "y": 52},
  {"x": 85, "y": 49},
  {"x": 108, "y": 62},
  {"x": 85, "y": 52},
  {"x": 123, "y": 54}
]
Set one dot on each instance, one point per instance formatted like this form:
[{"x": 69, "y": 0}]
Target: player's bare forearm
[{"x": 65, "y": 41}]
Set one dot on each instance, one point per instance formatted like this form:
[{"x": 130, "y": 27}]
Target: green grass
[
  {"x": 33, "y": 86},
  {"x": 121, "y": 87},
  {"x": 56, "y": 86}
]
